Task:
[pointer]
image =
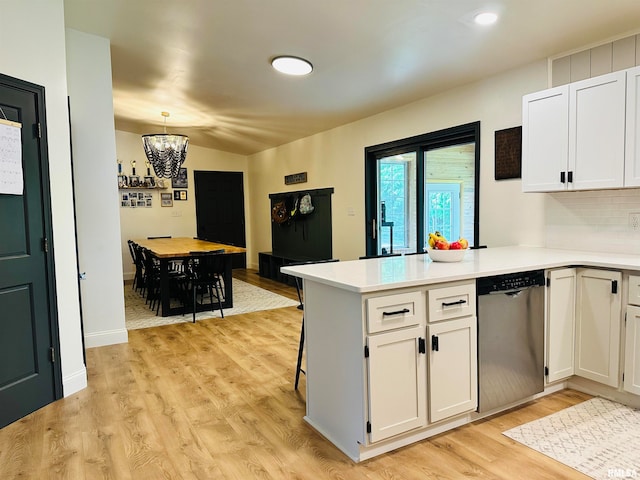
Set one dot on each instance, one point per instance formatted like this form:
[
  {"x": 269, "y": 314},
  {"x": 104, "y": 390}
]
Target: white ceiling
[{"x": 207, "y": 61}]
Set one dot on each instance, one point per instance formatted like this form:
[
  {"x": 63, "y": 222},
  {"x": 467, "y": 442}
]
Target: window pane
[
  {"x": 450, "y": 192},
  {"x": 396, "y": 187}
]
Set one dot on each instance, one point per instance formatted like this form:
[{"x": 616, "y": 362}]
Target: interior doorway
[
  {"x": 30, "y": 373},
  {"x": 220, "y": 209}
]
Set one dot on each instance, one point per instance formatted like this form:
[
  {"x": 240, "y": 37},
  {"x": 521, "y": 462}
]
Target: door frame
[
  {"x": 40, "y": 130},
  {"x": 420, "y": 144}
]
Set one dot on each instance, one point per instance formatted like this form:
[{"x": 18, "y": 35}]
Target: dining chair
[
  {"x": 298, "y": 283},
  {"x": 365, "y": 257},
  {"x": 204, "y": 272}
]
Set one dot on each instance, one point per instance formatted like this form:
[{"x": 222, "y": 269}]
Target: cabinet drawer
[
  {"x": 450, "y": 302},
  {"x": 634, "y": 289},
  {"x": 394, "y": 311}
]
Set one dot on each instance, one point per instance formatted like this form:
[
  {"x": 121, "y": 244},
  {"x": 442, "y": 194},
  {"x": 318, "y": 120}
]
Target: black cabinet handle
[
  {"x": 397, "y": 312},
  {"x": 435, "y": 344},
  {"x": 422, "y": 345},
  {"x": 562, "y": 180},
  {"x": 451, "y": 304},
  {"x": 570, "y": 177}
]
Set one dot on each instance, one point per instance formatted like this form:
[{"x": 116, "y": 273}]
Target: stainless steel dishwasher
[{"x": 510, "y": 338}]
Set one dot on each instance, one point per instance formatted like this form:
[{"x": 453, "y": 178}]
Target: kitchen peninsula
[{"x": 377, "y": 379}]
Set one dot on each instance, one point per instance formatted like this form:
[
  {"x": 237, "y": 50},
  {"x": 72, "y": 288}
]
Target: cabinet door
[
  {"x": 545, "y": 139},
  {"x": 632, "y": 140},
  {"x": 632, "y": 351},
  {"x": 561, "y": 301},
  {"x": 597, "y": 131},
  {"x": 453, "y": 368},
  {"x": 397, "y": 382},
  {"x": 598, "y": 317}
]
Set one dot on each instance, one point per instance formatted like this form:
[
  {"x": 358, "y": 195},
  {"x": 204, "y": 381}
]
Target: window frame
[{"x": 419, "y": 144}]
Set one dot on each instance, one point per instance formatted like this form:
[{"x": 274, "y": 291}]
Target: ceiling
[{"x": 207, "y": 62}]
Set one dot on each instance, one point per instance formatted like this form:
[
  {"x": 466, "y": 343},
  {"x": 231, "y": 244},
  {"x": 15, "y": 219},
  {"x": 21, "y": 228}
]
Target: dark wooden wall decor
[{"x": 508, "y": 161}]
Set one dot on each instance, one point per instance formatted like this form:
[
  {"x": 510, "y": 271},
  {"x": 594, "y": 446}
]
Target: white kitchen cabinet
[
  {"x": 453, "y": 374},
  {"x": 545, "y": 139},
  {"x": 632, "y": 138},
  {"x": 560, "y": 324},
  {"x": 632, "y": 351},
  {"x": 598, "y": 318},
  {"x": 597, "y": 131},
  {"x": 397, "y": 382},
  {"x": 632, "y": 339},
  {"x": 573, "y": 137}
]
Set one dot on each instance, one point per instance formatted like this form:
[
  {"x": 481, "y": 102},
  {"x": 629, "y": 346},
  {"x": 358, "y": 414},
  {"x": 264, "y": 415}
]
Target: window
[{"x": 407, "y": 198}]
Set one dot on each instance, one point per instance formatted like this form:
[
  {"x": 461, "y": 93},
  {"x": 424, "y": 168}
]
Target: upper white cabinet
[
  {"x": 596, "y": 132},
  {"x": 573, "y": 137},
  {"x": 632, "y": 146},
  {"x": 545, "y": 140}
]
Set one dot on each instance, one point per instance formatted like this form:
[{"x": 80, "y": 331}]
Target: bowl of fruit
[{"x": 441, "y": 250}]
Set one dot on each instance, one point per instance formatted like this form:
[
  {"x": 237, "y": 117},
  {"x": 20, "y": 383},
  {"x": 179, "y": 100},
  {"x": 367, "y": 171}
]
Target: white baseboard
[
  {"x": 108, "y": 337},
  {"x": 75, "y": 382}
]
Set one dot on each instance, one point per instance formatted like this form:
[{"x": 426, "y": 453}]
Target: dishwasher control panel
[{"x": 510, "y": 281}]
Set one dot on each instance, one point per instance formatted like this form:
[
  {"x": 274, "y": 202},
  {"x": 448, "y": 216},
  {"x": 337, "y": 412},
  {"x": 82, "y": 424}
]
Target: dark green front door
[{"x": 29, "y": 366}]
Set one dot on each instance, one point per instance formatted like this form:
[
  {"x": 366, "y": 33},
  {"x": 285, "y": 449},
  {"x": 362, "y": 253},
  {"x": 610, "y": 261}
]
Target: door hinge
[
  {"x": 366, "y": 351},
  {"x": 623, "y": 376},
  {"x": 546, "y": 371},
  {"x": 37, "y": 130},
  {"x": 45, "y": 245},
  {"x": 368, "y": 427},
  {"x": 548, "y": 281},
  {"x": 614, "y": 286},
  {"x": 52, "y": 354}
]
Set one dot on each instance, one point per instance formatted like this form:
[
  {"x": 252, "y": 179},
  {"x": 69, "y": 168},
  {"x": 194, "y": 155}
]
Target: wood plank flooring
[{"x": 215, "y": 400}]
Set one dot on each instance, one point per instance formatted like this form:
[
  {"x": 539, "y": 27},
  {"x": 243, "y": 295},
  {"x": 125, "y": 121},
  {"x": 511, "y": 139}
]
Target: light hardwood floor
[{"x": 215, "y": 400}]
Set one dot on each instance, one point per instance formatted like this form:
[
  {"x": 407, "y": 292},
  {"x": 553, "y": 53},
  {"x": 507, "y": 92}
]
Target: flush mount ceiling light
[
  {"x": 485, "y": 18},
  {"x": 166, "y": 152},
  {"x": 292, "y": 65}
]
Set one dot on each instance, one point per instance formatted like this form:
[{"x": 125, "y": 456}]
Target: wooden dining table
[{"x": 168, "y": 250}]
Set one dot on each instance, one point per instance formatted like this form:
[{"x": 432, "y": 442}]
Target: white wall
[
  {"x": 33, "y": 49},
  {"x": 179, "y": 220},
  {"x": 336, "y": 159},
  {"x": 97, "y": 210}
]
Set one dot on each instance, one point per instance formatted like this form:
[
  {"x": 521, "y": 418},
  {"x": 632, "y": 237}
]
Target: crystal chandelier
[{"x": 166, "y": 152}]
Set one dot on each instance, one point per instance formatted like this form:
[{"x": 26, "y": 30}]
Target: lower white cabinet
[
  {"x": 598, "y": 318},
  {"x": 453, "y": 371},
  {"x": 560, "y": 332},
  {"x": 632, "y": 351},
  {"x": 397, "y": 382}
]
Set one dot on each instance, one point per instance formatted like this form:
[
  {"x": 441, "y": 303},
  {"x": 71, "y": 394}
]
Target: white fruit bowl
[{"x": 446, "y": 255}]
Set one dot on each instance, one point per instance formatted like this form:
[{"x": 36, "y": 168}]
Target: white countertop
[{"x": 412, "y": 270}]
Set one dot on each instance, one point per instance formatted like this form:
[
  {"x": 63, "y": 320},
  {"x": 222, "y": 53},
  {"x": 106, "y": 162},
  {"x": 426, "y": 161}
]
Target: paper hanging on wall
[{"x": 11, "y": 178}]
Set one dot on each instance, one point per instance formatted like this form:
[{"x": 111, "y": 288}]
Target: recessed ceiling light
[
  {"x": 485, "y": 18},
  {"x": 292, "y": 65}
]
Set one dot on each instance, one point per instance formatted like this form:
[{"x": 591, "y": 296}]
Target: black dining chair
[
  {"x": 204, "y": 274},
  {"x": 365, "y": 257}
]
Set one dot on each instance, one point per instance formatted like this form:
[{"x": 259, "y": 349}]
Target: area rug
[
  {"x": 246, "y": 298},
  {"x": 599, "y": 438}
]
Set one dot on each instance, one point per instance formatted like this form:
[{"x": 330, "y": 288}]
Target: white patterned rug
[
  {"x": 599, "y": 438},
  {"x": 246, "y": 298}
]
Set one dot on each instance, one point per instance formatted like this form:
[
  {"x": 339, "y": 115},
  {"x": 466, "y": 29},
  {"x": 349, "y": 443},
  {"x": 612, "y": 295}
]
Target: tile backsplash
[{"x": 593, "y": 220}]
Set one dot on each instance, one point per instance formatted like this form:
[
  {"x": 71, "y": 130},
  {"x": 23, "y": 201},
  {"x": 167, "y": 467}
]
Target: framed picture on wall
[
  {"x": 166, "y": 200},
  {"x": 179, "y": 194},
  {"x": 181, "y": 180}
]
